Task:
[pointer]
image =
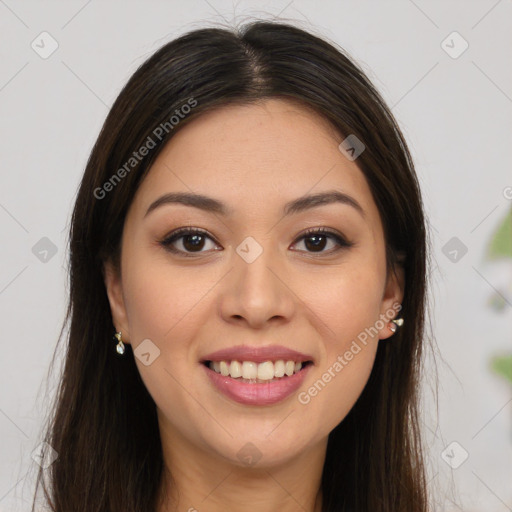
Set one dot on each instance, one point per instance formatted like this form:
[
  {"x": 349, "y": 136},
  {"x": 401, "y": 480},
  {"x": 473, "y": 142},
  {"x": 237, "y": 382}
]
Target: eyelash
[{"x": 181, "y": 232}]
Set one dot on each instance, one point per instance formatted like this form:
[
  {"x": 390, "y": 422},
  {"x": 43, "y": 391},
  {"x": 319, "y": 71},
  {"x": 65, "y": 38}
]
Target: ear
[
  {"x": 113, "y": 285},
  {"x": 392, "y": 299}
]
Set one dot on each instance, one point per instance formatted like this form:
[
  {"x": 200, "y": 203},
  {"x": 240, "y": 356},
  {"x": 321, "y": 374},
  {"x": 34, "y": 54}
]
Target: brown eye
[
  {"x": 186, "y": 241},
  {"x": 316, "y": 240}
]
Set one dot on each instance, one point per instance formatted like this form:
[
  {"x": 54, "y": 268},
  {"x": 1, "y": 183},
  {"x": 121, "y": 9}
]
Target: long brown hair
[{"x": 103, "y": 423}]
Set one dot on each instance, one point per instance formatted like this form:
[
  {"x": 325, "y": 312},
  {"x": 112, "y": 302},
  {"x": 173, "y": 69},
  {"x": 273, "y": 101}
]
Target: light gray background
[{"x": 456, "y": 116}]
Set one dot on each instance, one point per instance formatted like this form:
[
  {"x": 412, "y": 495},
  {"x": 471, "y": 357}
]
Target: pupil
[
  {"x": 197, "y": 243},
  {"x": 317, "y": 244}
]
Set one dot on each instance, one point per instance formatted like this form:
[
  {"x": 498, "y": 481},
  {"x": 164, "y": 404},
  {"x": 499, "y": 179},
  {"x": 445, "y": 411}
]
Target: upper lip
[{"x": 257, "y": 354}]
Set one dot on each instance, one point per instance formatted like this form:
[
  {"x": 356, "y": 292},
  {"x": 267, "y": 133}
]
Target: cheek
[
  {"x": 347, "y": 309},
  {"x": 162, "y": 304},
  {"x": 168, "y": 305},
  {"x": 346, "y": 301},
  {"x": 344, "y": 371},
  {"x": 337, "y": 386},
  {"x": 160, "y": 298}
]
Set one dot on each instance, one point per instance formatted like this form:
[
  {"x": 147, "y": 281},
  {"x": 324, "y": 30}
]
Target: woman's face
[{"x": 253, "y": 287}]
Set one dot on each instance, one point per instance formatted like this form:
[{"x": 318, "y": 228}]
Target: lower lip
[{"x": 266, "y": 393}]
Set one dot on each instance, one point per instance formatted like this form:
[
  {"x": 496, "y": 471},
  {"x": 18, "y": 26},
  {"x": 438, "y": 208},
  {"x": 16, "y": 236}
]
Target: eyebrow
[{"x": 212, "y": 205}]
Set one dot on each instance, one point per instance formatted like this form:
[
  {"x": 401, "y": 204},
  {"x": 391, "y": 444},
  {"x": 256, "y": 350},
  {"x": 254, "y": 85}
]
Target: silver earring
[
  {"x": 120, "y": 345},
  {"x": 396, "y": 322}
]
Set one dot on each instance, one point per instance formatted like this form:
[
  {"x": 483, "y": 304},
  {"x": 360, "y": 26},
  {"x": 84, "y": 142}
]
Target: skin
[{"x": 253, "y": 158}]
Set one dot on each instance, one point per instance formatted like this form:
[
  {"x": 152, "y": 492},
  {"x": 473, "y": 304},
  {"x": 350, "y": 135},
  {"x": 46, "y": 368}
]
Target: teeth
[
  {"x": 224, "y": 368},
  {"x": 279, "y": 368},
  {"x": 235, "y": 369},
  {"x": 266, "y": 370},
  {"x": 249, "y": 370}
]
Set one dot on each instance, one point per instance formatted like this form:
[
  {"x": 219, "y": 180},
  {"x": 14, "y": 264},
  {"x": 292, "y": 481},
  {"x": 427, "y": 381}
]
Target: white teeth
[
  {"x": 279, "y": 368},
  {"x": 224, "y": 370},
  {"x": 248, "y": 370},
  {"x": 266, "y": 370},
  {"x": 235, "y": 369}
]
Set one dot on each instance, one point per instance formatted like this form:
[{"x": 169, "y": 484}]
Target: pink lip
[
  {"x": 257, "y": 394},
  {"x": 257, "y": 354}
]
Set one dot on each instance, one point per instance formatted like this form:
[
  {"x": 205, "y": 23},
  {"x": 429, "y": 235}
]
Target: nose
[{"x": 257, "y": 292}]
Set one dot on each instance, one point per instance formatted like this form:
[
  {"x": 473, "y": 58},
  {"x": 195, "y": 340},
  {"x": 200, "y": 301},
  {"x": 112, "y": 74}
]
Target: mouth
[
  {"x": 262, "y": 375},
  {"x": 257, "y": 376},
  {"x": 252, "y": 372}
]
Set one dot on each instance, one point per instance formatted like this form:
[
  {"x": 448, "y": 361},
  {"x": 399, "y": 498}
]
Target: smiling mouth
[{"x": 250, "y": 372}]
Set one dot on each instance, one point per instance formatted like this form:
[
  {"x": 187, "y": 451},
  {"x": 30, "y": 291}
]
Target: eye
[
  {"x": 191, "y": 240},
  {"x": 315, "y": 240}
]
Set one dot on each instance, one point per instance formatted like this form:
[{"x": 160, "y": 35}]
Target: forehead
[{"x": 253, "y": 156}]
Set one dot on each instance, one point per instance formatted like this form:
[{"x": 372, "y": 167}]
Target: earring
[
  {"x": 120, "y": 345},
  {"x": 396, "y": 322}
]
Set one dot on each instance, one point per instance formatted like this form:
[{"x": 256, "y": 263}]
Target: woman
[{"x": 249, "y": 231}]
